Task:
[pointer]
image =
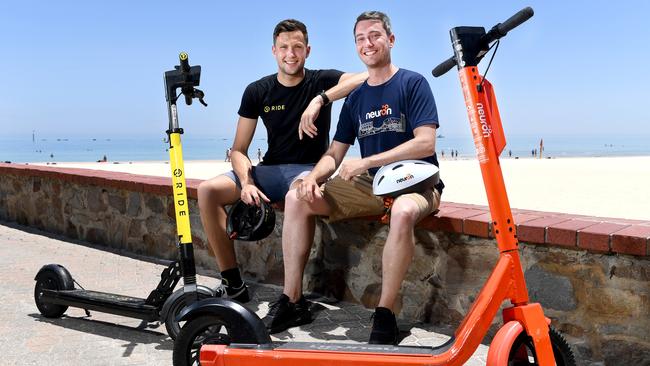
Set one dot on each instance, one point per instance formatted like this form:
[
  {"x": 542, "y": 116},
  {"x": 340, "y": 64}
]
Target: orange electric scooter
[{"x": 525, "y": 337}]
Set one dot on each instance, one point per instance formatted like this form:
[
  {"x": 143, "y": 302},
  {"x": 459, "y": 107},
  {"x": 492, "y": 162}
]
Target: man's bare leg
[
  {"x": 297, "y": 239},
  {"x": 213, "y": 196},
  {"x": 398, "y": 251}
]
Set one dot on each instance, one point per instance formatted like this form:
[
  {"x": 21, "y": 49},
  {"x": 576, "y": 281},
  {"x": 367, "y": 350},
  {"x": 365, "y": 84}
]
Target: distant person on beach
[
  {"x": 283, "y": 101},
  {"x": 404, "y": 128},
  {"x": 259, "y": 155},
  {"x": 228, "y": 153}
]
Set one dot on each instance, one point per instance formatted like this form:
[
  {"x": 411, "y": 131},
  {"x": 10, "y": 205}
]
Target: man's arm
[
  {"x": 347, "y": 83},
  {"x": 423, "y": 144},
  {"x": 241, "y": 164},
  {"x": 308, "y": 187}
]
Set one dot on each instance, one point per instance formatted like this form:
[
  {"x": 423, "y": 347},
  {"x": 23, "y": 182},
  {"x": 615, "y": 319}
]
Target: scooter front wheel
[
  {"x": 205, "y": 329},
  {"x": 522, "y": 352}
]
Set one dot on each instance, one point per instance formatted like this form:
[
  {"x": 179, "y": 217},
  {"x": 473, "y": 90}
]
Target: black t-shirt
[{"x": 280, "y": 108}]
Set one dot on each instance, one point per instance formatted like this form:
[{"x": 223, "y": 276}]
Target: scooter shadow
[
  {"x": 333, "y": 321},
  {"x": 133, "y": 335}
]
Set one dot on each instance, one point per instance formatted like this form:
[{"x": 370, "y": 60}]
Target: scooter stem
[{"x": 185, "y": 78}]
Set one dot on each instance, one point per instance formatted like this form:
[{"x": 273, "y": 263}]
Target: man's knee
[
  {"x": 404, "y": 213},
  {"x": 220, "y": 190},
  {"x": 296, "y": 206},
  {"x": 291, "y": 201}
]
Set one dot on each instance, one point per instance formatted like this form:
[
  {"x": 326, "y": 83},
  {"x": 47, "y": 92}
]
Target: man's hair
[
  {"x": 290, "y": 25},
  {"x": 374, "y": 15}
]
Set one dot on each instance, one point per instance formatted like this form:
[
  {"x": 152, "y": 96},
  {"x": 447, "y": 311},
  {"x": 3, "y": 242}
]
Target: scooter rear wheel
[
  {"x": 49, "y": 280},
  {"x": 522, "y": 352},
  {"x": 205, "y": 329},
  {"x": 174, "y": 327}
]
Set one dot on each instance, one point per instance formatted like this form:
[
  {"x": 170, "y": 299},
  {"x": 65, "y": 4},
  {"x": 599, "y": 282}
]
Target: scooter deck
[
  {"x": 365, "y": 348},
  {"x": 134, "y": 307},
  {"x": 105, "y": 296},
  {"x": 349, "y": 347}
]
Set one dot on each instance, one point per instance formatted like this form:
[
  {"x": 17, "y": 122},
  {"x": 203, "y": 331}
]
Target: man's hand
[
  {"x": 251, "y": 195},
  {"x": 307, "y": 189},
  {"x": 308, "y": 117},
  {"x": 350, "y": 168}
]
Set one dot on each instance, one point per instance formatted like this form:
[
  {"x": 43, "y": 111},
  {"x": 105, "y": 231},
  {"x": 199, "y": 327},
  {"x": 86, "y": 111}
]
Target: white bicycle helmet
[{"x": 405, "y": 176}]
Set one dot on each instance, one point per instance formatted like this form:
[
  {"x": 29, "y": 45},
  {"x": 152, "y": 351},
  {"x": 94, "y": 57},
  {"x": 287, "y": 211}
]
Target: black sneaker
[
  {"x": 284, "y": 314},
  {"x": 233, "y": 293},
  {"x": 384, "y": 327}
]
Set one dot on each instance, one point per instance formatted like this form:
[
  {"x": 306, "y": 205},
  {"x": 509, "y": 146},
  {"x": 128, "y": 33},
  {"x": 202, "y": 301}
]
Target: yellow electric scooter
[{"x": 55, "y": 288}]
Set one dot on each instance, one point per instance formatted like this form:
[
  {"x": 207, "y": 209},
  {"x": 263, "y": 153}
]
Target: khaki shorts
[{"x": 354, "y": 198}]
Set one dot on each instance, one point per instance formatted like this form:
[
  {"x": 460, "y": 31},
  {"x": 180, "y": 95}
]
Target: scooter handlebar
[
  {"x": 511, "y": 23},
  {"x": 185, "y": 62},
  {"x": 498, "y": 31},
  {"x": 185, "y": 69},
  {"x": 444, "y": 67}
]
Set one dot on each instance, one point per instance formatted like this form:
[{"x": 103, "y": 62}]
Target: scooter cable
[
  {"x": 494, "y": 45},
  {"x": 78, "y": 284}
]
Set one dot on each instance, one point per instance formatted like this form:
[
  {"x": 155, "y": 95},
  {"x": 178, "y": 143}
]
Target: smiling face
[
  {"x": 373, "y": 43},
  {"x": 290, "y": 50}
]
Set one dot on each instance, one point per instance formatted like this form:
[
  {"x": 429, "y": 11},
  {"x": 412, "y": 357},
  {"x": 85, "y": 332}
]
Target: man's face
[
  {"x": 290, "y": 52},
  {"x": 373, "y": 43}
]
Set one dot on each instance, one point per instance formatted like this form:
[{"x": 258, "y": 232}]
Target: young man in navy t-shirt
[{"x": 393, "y": 116}]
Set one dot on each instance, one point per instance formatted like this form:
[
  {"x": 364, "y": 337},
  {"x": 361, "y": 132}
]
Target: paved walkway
[{"x": 27, "y": 338}]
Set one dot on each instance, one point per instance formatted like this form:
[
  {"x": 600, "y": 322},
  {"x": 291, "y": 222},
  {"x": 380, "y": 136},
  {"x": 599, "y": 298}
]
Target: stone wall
[{"x": 591, "y": 275}]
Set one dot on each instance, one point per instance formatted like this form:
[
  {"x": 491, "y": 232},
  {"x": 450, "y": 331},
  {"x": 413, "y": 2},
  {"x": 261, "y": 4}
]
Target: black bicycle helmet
[{"x": 250, "y": 222}]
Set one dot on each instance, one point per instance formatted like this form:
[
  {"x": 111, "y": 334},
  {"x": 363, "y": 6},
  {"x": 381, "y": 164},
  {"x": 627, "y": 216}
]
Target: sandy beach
[{"x": 600, "y": 186}]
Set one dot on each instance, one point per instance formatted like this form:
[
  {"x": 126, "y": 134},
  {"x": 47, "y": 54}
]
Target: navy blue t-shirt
[{"x": 384, "y": 116}]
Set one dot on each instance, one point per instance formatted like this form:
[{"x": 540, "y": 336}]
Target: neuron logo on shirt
[{"x": 384, "y": 111}]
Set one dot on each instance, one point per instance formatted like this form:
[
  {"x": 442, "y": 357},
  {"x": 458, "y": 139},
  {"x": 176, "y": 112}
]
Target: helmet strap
[{"x": 388, "y": 204}]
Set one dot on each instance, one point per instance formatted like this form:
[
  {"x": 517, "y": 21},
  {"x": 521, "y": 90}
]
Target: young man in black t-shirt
[{"x": 289, "y": 103}]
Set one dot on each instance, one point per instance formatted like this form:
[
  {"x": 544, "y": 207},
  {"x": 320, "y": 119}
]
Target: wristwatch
[{"x": 326, "y": 100}]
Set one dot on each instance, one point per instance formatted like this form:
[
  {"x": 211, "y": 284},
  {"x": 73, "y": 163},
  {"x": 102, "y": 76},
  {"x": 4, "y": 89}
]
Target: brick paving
[{"x": 27, "y": 338}]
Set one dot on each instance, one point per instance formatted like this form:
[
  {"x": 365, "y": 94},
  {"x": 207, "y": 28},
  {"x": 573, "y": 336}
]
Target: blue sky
[{"x": 94, "y": 68}]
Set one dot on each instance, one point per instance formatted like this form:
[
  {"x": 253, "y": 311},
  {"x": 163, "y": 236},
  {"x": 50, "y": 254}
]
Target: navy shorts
[{"x": 274, "y": 180}]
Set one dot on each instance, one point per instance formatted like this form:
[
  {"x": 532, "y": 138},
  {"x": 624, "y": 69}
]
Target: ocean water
[{"x": 80, "y": 149}]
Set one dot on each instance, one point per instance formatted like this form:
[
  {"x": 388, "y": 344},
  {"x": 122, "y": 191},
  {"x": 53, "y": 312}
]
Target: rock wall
[{"x": 601, "y": 301}]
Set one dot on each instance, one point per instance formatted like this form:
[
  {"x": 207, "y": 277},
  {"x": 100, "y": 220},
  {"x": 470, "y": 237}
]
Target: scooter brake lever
[{"x": 199, "y": 94}]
